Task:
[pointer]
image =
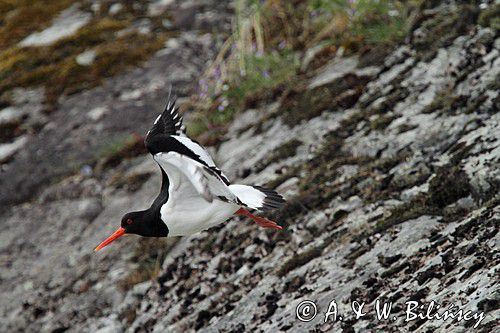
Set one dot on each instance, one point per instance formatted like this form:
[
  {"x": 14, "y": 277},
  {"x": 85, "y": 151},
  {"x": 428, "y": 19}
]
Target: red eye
[{"x": 129, "y": 221}]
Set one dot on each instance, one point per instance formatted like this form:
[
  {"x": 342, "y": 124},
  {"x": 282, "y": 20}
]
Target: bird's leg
[{"x": 263, "y": 222}]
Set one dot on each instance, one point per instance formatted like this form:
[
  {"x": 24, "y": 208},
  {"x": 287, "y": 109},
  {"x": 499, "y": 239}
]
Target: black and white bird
[{"x": 195, "y": 195}]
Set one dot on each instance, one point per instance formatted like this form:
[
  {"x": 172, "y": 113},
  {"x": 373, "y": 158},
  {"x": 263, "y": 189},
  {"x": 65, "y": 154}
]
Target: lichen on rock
[{"x": 387, "y": 155}]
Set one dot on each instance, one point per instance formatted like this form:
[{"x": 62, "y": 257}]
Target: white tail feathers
[{"x": 257, "y": 197}]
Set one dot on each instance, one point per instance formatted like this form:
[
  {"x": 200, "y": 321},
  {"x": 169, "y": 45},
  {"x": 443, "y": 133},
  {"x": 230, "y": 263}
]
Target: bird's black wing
[
  {"x": 168, "y": 123},
  {"x": 168, "y": 135}
]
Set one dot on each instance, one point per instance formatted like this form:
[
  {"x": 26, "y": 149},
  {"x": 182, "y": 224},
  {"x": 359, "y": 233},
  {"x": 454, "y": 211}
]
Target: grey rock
[
  {"x": 334, "y": 71},
  {"x": 86, "y": 58},
  {"x": 7, "y": 150},
  {"x": 10, "y": 115},
  {"x": 157, "y": 7},
  {"x": 402, "y": 211},
  {"x": 66, "y": 24},
  {"x": 98, "y": 113},
  {"x": 115, "y": 8}
]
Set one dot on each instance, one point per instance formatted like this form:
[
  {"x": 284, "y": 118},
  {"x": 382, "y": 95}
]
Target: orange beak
[{"x": 118, "y": 233}]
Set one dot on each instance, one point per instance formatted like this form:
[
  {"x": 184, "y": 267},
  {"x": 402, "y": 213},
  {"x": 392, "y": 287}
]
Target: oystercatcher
[{"x": 195, "y": 195}]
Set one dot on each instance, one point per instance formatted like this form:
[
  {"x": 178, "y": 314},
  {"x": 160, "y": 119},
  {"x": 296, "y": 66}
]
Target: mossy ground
[
  {"x": 54, "y": 66},
  {"x": 286, "y": 150},
  {"x": 19, "y": 18},
  {"x": 490, "y": 17},
  {"x": 442, "y": 30},
  {"x": 300, "y": 103},
  {"x": 116, "y": 150}
]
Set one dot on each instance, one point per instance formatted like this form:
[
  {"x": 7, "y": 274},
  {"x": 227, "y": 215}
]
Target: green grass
[
  {"x": 490, "y": 17},
  {"x": 269, "y": 38},
  {"x": 364, "y": 22},
  {"x": 115, "y": 150},
  {"x": 262, "y": 72}
]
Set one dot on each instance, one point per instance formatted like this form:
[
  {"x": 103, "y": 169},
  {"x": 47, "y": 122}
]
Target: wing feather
[
  {"x": 204, "y": 180},
  {"x": 166, "y": 136},
  {"x": 168, "y": 123}
]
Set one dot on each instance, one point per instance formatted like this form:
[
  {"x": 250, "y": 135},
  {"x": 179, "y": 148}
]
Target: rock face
[
  {"x": 55, "y": 207},
  {"x": 68, "y": 22},
  {"x": 394, "y": 197},
  {"x": 391, "y": 172}
]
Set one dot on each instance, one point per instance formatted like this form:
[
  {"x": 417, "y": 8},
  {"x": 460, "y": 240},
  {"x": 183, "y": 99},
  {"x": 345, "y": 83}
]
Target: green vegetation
[
  {"x": 114, "y": 151},
  {"x": 55, "y": 65},
  {"x": 443, "y": 29},
  {"x": 490, "y": 17},
  {"x": 282, "y": 152},
  {"x": 353, "y": 24},
  {"x": 260, "y": 60}
]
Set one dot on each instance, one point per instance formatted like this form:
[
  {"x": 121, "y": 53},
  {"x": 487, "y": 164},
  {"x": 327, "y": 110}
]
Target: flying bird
[{"x": 195, "y": 195}]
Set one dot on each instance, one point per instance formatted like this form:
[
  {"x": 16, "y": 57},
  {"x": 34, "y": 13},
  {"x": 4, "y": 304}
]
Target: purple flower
[
  {"x": 86, "y": 170},
  {"x": 352, "y": 7},
  {"x": 203, "y": 85},
  {"x": 217, "y": 72},
  {"x": 266, "y": 74}
]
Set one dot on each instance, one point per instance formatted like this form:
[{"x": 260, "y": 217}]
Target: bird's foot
[{"x": 263, "y": 222}]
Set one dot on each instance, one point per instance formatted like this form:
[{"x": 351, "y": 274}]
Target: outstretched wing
[
  {"x": 169, "y": 122},
  {"x": 168, "y": 136},
  {"x": 181, "y": 169}
]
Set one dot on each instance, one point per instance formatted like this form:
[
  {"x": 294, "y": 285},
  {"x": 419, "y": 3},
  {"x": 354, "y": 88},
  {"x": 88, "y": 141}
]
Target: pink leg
[{"x": 263, "y": 222}]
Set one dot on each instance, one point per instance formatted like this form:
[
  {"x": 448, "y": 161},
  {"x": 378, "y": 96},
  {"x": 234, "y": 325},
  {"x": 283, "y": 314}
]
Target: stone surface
[
  {"x": 66, "y": 24},
  {"x": 356, "y": 246},
  {"x": 86, "y": 58},
  {"x": 393, "y": 197},
  {"x": 7, "y": 150},
  {"x": 132, "y": 99}
]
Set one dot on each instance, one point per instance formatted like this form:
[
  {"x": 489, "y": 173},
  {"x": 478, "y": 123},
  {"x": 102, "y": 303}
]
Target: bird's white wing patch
[
  {"x": 206, "y": 182},
  {"x": 201, "y": 152},
  {"x": 250, "y": 196},
  {"x": 196, "y": 148},
  {"x": 157, "y": 119},
  {"x": 192, "y": 171}
]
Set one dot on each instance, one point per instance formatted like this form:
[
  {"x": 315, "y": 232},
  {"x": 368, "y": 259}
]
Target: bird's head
[{"x": 140, "y": 223}]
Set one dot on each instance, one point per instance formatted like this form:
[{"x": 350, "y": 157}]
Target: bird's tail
[{"x": 257, "y": 197}]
